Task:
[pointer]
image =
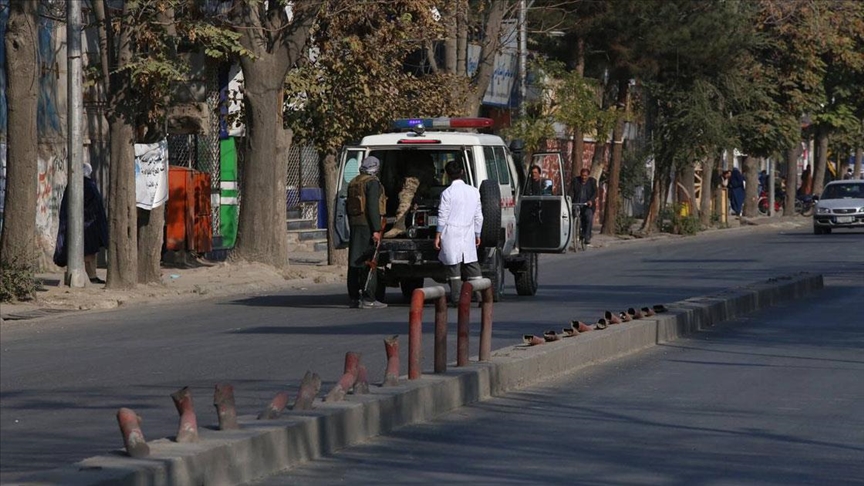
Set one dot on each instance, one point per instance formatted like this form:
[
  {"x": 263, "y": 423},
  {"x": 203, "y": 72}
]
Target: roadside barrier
[
  {"x": 415, "y": 329},
  {"x": 223, "y": 400},
  {"x": 274, "y": 409},
  {"x": 133, "y": 438},
  {"x": 391, "y": 374},
  {"x": 349, "y": 378},
  {"x": 462, "y": 326},
  {"x": 187, "y": 431},
  {"x": 309, "y": 388}
]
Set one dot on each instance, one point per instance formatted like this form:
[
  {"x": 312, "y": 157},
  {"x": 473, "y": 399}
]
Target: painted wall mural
[{"x": 49, "y": 194}]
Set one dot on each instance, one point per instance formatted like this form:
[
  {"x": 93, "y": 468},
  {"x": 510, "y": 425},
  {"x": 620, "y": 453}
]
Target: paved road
[
  {"x": 772, "y": 399},
  {"x": 62, "y": 379}
]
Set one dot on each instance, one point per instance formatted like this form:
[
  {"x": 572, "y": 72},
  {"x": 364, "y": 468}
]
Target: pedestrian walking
[
  {"x": 736, "y": 191},
  {"x": 460, "y": 222},
  {"x": 583, "y": 190},
  {"x": 95, "y": 227},
  {"x": 365, "y": 205}
]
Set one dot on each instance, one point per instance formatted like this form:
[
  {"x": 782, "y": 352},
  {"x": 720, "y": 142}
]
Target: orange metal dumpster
[{"x": 188, "y": 221}]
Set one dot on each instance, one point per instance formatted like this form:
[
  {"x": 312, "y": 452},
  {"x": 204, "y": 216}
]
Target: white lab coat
[{"x": 460, "y": 220}]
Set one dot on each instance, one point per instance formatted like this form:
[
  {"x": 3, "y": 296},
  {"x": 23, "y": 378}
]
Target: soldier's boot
[{"x": 406, "y": 197}]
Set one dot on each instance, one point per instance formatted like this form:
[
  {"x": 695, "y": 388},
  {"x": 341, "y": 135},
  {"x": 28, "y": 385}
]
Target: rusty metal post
[
  {"x": 133, "y": 438},
  {"x": 309, "y": 388},
  {"x": 349, "y": 378},
  {"x": 391, "y": 375},
  {"x": 486, "y": 325},
  {"x": 274, "y": 409},
  {"x": 441, "y": 334},
  {"x": 415, "y": 333},
  {"x": 415, "y": 326},
  {"x": 223, "y": 399},
  {"x": 463, "y": 323},
  {"x": 188, "y": 429},
  {"x": 361, "y": 386}
]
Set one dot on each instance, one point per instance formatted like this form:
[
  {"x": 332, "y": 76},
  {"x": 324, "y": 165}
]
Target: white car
[
  {"x": 516, "y": 227},
  {"x": 841, "y": 205}
]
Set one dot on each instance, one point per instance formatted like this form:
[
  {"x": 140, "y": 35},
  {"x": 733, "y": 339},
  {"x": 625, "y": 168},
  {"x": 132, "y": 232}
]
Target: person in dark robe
[{"x": 95, "y": 227}]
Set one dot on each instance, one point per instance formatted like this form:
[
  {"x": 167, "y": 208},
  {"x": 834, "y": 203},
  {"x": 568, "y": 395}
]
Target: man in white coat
[{"x": 460, "y": 220}]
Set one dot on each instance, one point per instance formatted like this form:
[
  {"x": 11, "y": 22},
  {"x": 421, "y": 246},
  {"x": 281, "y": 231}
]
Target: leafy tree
[
  {"x": 357, "y": 78},
  {"x": 138, "y": 67},
  {"x": 19, "y": 225}
]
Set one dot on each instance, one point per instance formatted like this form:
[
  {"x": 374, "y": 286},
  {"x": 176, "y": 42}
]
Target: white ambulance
[{"x": 516, "y": 227}]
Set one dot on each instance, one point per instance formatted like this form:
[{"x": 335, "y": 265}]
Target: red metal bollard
[
  {"x": 415, "y": 328},
  {"x": 463, "y": 323},
  {"x": 133, "y": 438},
  {"x": 275, "y": 408},
  {"x": 361, "y": 387},
  {"x": 464, "y": 319},
  {"x": 391, "y": 375},
  {"x": 441, "y": 334},
  {"x": 223, "y": 399},
  {"x": 349, "y": 377},
  {"x": 309, "y": 388},
  {"x": 188, "y": 429}
]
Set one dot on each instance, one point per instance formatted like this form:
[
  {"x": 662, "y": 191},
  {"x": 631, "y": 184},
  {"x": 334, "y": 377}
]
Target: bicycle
[{"x": 578, "y": 237}]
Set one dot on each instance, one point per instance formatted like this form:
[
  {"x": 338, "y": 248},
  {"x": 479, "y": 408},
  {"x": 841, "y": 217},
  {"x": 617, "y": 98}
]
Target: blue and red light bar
[{"x": 429, "y": 123}]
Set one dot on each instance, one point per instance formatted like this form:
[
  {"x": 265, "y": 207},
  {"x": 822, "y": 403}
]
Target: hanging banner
[
  {"x": 506, "y": 64},
  {"x": 151, "y": 174}
]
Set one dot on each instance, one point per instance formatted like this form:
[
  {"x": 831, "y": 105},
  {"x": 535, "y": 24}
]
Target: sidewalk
[
  {"x": 202, "y": 280},
  {"x": 198, "y": 280}
]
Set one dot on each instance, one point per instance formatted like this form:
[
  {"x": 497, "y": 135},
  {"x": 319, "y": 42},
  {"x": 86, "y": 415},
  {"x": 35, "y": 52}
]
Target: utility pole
[
  {"x": 523, "y": 59},
  {"x": 75, "y": 274}
]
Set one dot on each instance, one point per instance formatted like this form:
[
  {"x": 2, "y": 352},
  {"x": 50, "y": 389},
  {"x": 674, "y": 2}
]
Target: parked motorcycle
[{"x": 803, "y": 204}]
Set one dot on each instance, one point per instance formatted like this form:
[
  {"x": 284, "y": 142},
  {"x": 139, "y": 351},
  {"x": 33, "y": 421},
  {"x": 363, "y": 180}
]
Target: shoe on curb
[
  {"x": 96, "y": 280},
  {"x": 372, "y": 304},
  {"x": 355, "y": 304}
]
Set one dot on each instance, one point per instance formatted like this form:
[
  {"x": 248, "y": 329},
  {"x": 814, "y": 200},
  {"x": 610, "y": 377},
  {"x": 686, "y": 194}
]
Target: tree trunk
[
  {"x": 709, "y": 168},
  {"x": 578, "y": 135},
  {"x": 821, "y": 161},
  {"x": 791, "y": 179},
  {"x": 688, "y": 184},
  {"x": 451, "y": 24},
  {"x": 751, "y": 189},
  {"x": 331, "y": 174},
  {"x": 150, "y": 230},
  {"x": 122, "y": 211},
  {"x": 151, "y": 223},
  {"x": 461, "y": 37},
  {"x": 650, "y": 221},
  {"x": 486, "y": 66},
  {"x": 17, "y": 243},
  {"x": 261, "y": 235},
  {"x": 612, "y": 202},
  {"x": 598, "y": 160},
  {"x": 859, "y": 155}
]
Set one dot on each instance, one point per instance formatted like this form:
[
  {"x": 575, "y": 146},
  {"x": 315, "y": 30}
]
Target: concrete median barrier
[{"x": 262, "y": 448}]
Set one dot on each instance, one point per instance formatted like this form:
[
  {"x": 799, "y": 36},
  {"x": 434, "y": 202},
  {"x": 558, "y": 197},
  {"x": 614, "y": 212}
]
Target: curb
[{"x": 264, "y": 448}]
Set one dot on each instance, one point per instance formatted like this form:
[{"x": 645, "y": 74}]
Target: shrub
[{"x": 17, "y": 281}]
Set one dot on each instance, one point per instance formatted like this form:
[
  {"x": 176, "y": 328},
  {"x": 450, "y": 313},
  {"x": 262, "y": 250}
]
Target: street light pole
[{"x": 75, "y": 273}]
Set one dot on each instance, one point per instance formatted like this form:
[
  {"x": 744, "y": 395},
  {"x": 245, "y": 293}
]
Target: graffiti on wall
[{"x": 49, "y": 195}]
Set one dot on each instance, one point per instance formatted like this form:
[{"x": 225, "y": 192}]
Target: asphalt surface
[
  {"x": 771, "y": 399},
  {"x": 63, "y": 378}
]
